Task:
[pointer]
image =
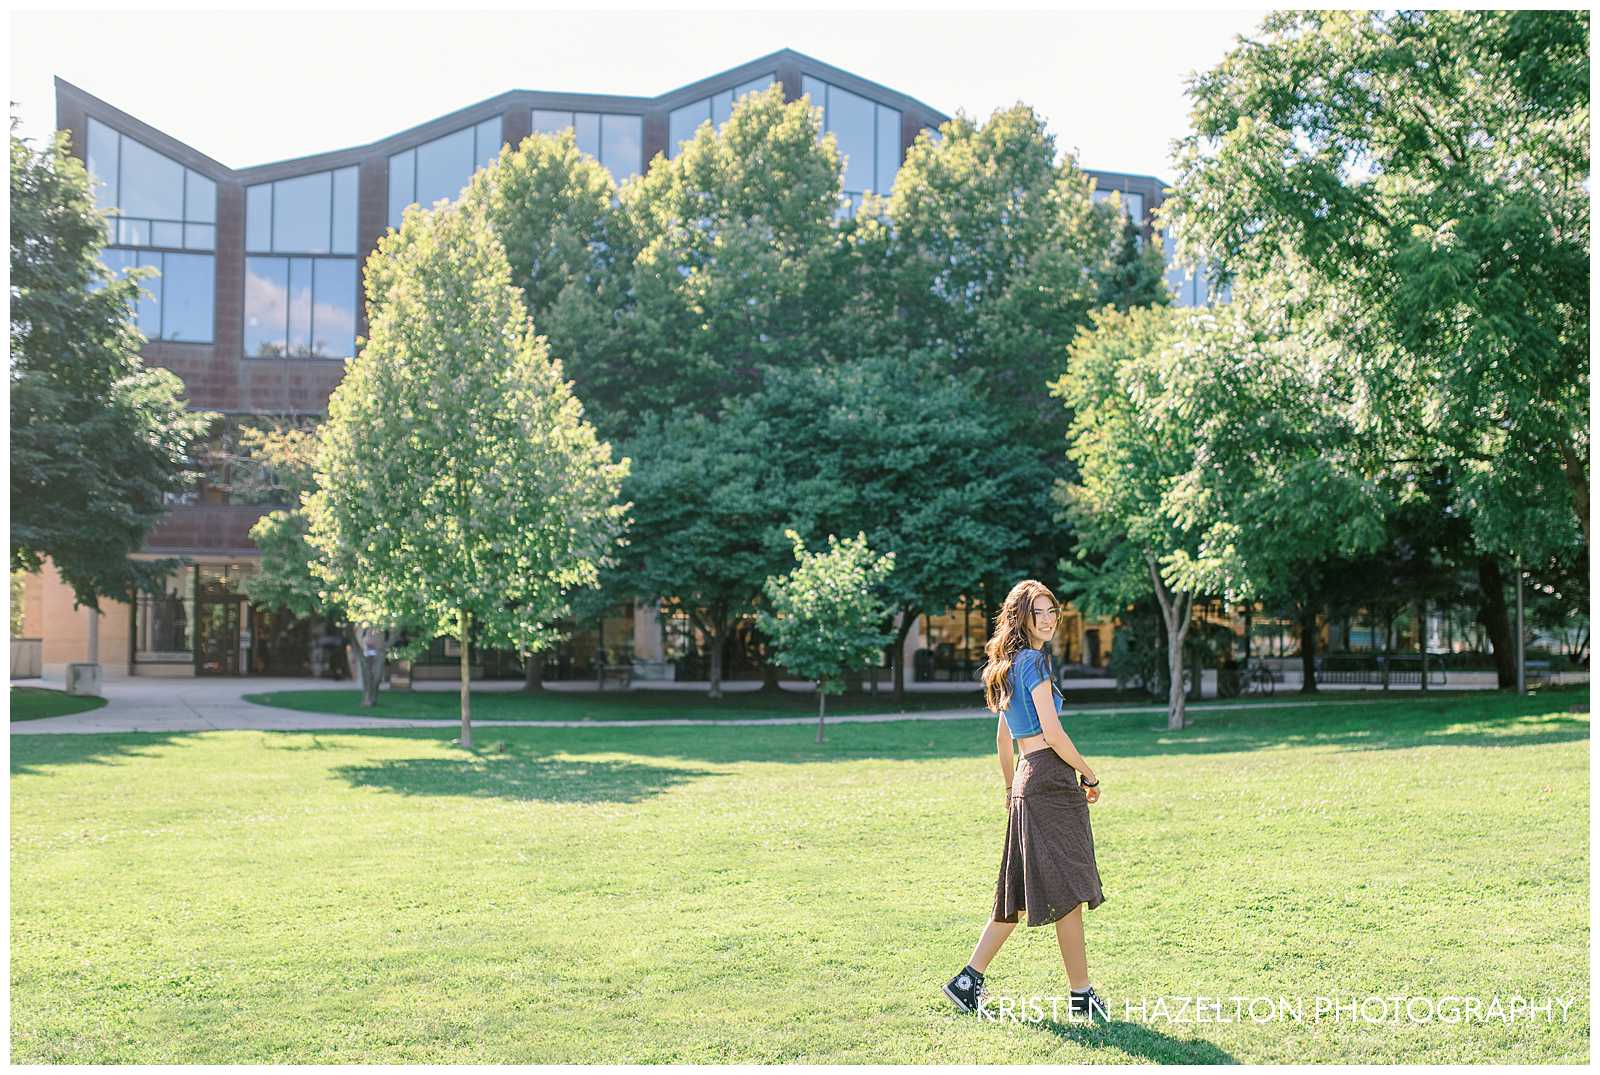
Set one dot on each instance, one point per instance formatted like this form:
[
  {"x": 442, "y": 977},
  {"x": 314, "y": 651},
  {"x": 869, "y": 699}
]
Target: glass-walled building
[{"x": 257, "y": 306}]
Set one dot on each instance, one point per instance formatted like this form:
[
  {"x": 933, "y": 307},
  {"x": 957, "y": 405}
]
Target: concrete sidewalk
[{"x": 198, "y": 705}]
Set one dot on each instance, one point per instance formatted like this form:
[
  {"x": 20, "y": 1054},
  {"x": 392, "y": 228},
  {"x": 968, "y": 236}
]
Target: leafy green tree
[
  {"x": 989, "y": 256},
  {"x": 555, "y": 211},
  {"x": 1424, "y": 173},
  {"x": 708, "y": 516},
  {"x": 729, "y": 235},
  {"x": 458, "y": 482},
  {"x": 895, "y": 446},
  {"x": 996, "y": 255},
  {"x": 1211, "y": 460},
  {"x": 275, "y": 461},
  {"x": 826, "y": 613},
  {"x": 99, "y": 440}
]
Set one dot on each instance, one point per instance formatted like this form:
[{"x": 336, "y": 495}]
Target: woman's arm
[
  {"x": 1044, "y": 700},
  {"x": 1003, "y": 746}
]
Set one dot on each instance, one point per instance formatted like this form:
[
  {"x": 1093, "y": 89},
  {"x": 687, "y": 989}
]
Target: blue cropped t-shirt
[{"x": 1027, "y": 672}]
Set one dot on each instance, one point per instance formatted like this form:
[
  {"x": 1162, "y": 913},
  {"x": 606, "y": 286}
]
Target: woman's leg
[
  {"x": 994, "y": 935},
  {"x": 1069, "y": 935}
]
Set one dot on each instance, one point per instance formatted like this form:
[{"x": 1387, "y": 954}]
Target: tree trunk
[
  {"x": 822, "y": 710},
  {"x": 769, "y": 677},
  {"x": 1492, "y": 614},
  {"x": 1422, "y": 638},
  {"x": 1175, "y": 612},
  {"x": 463, "y": 619},
  {"x": 533, "y": 673},
  {"x": 371, "y": 674},
  {"x": 1308, "y": 648},
  {"x": 1388, "y": 647},
  {"x": 908, "y": 616},
  {"x": 716, "y": 640},
  {"x": 1175, "y": 694}
]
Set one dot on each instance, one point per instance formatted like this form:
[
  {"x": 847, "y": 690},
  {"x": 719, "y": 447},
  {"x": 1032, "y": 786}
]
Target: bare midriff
[{"x": 1029, "y": 743}]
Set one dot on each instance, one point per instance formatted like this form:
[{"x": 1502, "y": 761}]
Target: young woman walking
[{"x": 1047, "y": 870}]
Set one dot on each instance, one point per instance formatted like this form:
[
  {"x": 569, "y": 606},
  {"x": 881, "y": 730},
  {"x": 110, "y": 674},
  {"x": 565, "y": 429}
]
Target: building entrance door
[
  {"x": 217, "y": 637},
  {"x": 219, "y": 620}
]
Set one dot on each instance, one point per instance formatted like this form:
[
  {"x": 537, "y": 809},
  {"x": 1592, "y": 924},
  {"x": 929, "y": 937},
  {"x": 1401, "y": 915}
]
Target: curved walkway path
[{"x": 171, "y": 705}]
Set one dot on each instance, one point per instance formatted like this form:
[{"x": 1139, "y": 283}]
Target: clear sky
[{"x": 251, "y": 87}]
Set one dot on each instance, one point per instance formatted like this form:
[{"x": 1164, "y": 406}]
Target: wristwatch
[{"x": 1086, "y": 784}]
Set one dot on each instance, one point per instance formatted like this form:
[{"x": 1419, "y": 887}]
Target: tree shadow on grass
[
  {"x": 1137, "y": 1040},
  {"x": 522, "y": 775},
  {"x": 40, "y": 755}
]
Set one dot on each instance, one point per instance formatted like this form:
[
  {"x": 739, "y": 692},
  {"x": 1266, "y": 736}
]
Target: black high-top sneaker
[
  {"x": 966, "y": 989},
  {"x": 1087, "y": 1003}
]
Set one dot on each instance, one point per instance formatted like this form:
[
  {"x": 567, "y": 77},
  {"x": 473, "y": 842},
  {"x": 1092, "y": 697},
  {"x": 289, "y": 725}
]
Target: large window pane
[
  {"x": 444, "y": 166},
  {"x": 888, "y": 148},
  {"x": 1135, "y": 204},
  {"x": 489, "y": 141},
  {"x": 850, "y": 118},
  {"x": 299, "y": 306},
  {"x": 133, "y": 232},
  {"x": 721, "y": 107},
  {"x": 755, "y": 85},
  {"x": 152, "y": 185},
  {"x": 103, "y": 163},
  {"x": 200, "y": 198},
  {"x": 546, "y": 122},
  {"x": 166, "y": 233},
  {"x": 587, "y": 126},
  {"x": 621, "y": 145},
  {"x": 683, "y": 122},
  {"x": 150, "y": 298},
  {"x": 266, "y": 305},
  {"x": 334, "y": 315},
  {"x": 200, "y": 236},
  {"x": 258, "y": 218},
  {"x": 188, "y": 292},
  {"x": 118, "y": 261},
  {"x": 301, "y": 208},
  {"x": 402, "y": 184},
  {"x": 344, "y": 211},
  {"x": 815, "y": 89}
]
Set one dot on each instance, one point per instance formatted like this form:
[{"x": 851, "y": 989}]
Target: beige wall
[{"x": 48, "y": 613}]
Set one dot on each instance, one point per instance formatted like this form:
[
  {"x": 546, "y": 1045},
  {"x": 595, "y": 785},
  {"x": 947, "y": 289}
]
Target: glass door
[{"x": 217, "y": 637}]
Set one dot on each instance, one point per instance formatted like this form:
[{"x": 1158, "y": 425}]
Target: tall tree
[
  {"x": 723, "y": 283},
  {"x": 827, "y": 614},
  {"x": 991, "y": 253},
  {"x": 99, "y": 440},
  {"x": 458, "y": 483},
  {"x": 1212, "y": 460},
  {"x": 708, "y": 516},
  {"x": 1426, "y": 171},
  {"x": 908, "y": 452},
  {"x": 571, "y": 252}
]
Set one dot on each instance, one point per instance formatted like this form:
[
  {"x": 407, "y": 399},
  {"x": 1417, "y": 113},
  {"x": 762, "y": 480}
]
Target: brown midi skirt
[{"x": 1048, "y": 866}]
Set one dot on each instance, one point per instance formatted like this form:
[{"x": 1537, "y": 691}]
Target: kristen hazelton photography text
[
  {"x": 525, "y": 576},
  {"x": 1351, "y": 1009}
]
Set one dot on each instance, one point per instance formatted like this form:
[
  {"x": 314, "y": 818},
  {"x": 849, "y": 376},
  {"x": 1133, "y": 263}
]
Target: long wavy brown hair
[{"x": 1009, "y": 637}]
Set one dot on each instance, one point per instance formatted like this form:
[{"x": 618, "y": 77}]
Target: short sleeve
[{"x": 1030, "y": 670}]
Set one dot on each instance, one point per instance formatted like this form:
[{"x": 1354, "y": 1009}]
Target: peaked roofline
[{"x": 500, "y": 102}]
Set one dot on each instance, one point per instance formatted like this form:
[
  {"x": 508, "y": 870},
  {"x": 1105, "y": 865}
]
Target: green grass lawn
[
  {"x": 646, "y": 704},
  {"x": 603, "y": 705},
  {"x": 32, "y": 703},
  {"x": 746, "y": 894}
]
